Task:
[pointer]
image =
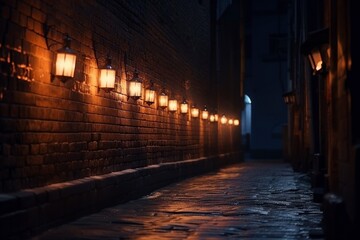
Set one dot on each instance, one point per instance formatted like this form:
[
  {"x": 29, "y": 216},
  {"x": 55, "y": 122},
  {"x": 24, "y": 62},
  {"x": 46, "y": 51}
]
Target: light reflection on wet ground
[{"x": 249, "y": 200}]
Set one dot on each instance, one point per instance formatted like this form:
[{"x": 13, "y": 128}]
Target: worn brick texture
[{"x": 53, "y": 131}]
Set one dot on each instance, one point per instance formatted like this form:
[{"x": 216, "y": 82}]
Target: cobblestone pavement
[{"x": 248, "y": 200}]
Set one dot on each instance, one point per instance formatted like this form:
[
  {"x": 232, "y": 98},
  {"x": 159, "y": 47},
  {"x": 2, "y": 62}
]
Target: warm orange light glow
[
  {"x": 315, "y": 60},
  {"x": 65, "y": 64},
  {"x": 205, "y": 114},
  {"x": 223, "y": 119},
  {"x": 163, "y": 100},
  {"x": 107, "y": 76},
  {"x": 65, "y": 60},
  {"x": 135, "y": 86},
  {"x": 135, "y": 89},
  {"x": 316, "y": 48},
  {"x": 231, "y": 121},
  {"x": 149, "y": 96},
  {"x": 319, "y": 65},
  {"x": 216, "y": 117},
  {"x": 184, "y": 107},
  {"x": 236, "y": 122},
  {"x": 173, "y": 105},
  {"x": 194, "y": 112},
  {"x": 212, "y": 118}
]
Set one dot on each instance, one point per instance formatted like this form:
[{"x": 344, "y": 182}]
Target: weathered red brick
[
  {"x": 34, "y": 160},
  {"x": 20, "y": 150},
  {"x": 89, "y": 131},
  {"x": 34, "y": 149},
  {"x": 30, "y": 23},
  {"x": 24, "y": 8},
  {"x": 37, "y": 14}
]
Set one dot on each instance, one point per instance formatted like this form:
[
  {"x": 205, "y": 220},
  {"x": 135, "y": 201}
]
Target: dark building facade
[{"x": 323, "y": 132}]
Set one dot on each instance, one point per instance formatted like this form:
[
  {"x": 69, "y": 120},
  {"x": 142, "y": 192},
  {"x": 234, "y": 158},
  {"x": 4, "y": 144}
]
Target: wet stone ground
[{"x": 249, "y": 200}]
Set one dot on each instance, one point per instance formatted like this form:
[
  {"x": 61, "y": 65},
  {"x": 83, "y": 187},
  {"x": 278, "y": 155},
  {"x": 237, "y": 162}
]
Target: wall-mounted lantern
[
  {"x": 289, "y": 97},
  {"x": 236, "y": 122},
  {"x": 317, "y": 49},
  {"x": 216, "y": 117},
  {"x": 223, "y": 119},
  {"x": 231, "y": 121},
  {"x": 163, "y": 99},
  {"x": 205, "y": 114},
  {"x": 212, "y": 118},
  {"x": 173, "y": 105},
  {"x": 135, "y": 86},
  {"x": 184, "y": 107},
  {"x": 150, "y": 94},
  {"x": 65, "y": 61},
  {"x": 195, "y": 112},
  {"x": 107, "y": 76}
]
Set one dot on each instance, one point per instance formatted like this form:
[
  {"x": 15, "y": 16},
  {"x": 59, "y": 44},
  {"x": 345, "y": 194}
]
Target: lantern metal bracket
[
  {"x": 107, "y": 63},
  {"x": 135, "y": 78},
  {"x": 318, "y": 40},
  {"x": 66, "y": 39},
  {"x": 96, "y": 55},
  {"x": 46, "y": 30}
]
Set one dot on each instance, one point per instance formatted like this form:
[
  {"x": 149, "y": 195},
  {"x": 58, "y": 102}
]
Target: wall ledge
[{"x": 30, "y": 211}]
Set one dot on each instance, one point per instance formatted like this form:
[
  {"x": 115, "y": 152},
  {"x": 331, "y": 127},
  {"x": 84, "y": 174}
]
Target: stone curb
[{"x": 30, "y": 211}]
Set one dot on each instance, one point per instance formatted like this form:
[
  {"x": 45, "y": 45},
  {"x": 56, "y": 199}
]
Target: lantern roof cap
[{"x": 315, "y": 39}]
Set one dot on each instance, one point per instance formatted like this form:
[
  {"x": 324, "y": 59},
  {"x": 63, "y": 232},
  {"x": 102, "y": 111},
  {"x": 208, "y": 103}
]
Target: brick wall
[{"x": 54, "y": 132}]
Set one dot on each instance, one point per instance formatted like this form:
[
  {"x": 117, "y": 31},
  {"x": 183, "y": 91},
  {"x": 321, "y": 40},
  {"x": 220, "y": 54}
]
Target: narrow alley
[
  {"x": 255, "y": 199},
  {"x": 179, "y": 119}
]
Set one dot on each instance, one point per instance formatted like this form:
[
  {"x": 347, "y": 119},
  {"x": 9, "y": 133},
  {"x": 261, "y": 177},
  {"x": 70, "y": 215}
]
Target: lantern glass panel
[
  {"x": 317, "y": 60},
  {"x": 204, "y": 114},
  {"x": 135, "y": 89},
  {"x": 149, "y": 96},
  {"x": 173, "y": 105},
  {"x": 194, "y": 112},
  {"x": 65, "y": 64},
  {"x": 223, "y": 120},
  {"x": 163, "y": 100},
  {"x": 184, "y": 107},
  {"x": 107, "y": 78}
]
